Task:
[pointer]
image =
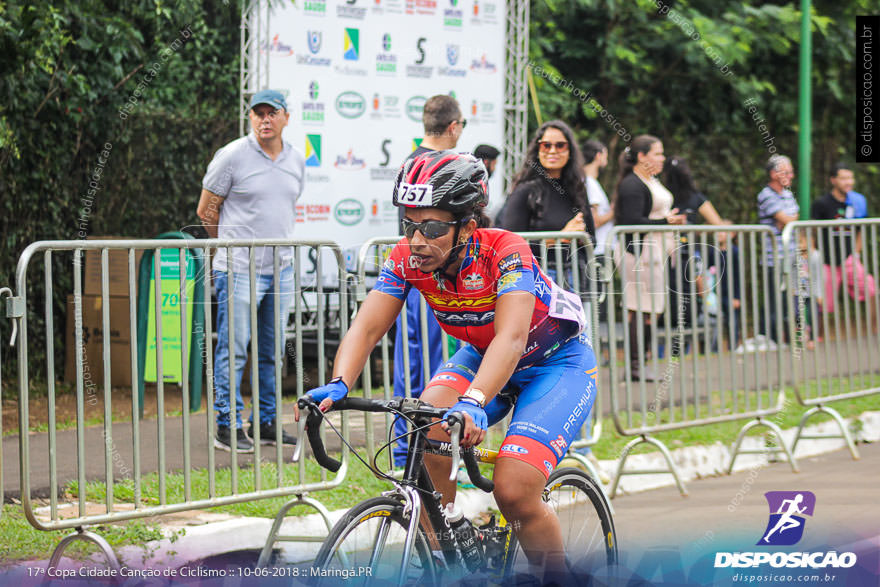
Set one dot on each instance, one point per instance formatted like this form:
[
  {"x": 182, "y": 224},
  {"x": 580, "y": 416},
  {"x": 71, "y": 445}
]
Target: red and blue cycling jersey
[{"x": 496, "y": 263}]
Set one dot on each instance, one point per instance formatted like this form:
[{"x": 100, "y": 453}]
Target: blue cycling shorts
[{"x": 551, "y": 400}]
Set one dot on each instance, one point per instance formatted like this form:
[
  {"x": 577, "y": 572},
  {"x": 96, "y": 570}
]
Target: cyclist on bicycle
[{"x": 526, "y": 350}]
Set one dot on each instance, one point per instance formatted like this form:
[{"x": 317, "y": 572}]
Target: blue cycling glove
[
  {"x": 478, "y": 414},
  {"x": 335, "y": 390}
]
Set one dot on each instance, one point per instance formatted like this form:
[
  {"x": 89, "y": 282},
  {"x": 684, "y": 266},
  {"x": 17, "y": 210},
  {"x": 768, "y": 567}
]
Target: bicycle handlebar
[{"x": 413, "y": 406}]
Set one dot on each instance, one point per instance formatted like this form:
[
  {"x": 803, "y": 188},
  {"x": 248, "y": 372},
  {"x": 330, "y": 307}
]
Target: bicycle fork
[{"x": 414, "y": 506}]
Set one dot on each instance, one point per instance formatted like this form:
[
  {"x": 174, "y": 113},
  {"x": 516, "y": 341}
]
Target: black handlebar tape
[
  {"x": 473, "y": 469},
  {"x": 313, "y": 425},
  {"x": 359, "y": 403}
]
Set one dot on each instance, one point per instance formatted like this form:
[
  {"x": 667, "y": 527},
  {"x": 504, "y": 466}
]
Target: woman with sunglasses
[
  {"x": 526, "y": 348},
  {"x": 549, "y": 192}
]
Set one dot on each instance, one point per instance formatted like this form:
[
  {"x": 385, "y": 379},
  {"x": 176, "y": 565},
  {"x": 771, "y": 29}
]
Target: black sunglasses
[{"x": 431, "y": 229}]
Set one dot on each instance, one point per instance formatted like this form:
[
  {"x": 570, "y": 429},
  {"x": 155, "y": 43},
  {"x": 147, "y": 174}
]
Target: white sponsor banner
[{"x": 356, "y": 74}]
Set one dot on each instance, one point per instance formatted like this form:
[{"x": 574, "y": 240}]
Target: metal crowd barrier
[
  {"x": 676, "y": 370},
  {"x": 123, "y": 448},
  {"x": 556, "y": 252},
  {"x": 833, "y": 264}
]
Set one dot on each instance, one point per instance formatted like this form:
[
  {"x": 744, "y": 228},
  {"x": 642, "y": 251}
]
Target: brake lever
[{"x": 455, "y": 425}]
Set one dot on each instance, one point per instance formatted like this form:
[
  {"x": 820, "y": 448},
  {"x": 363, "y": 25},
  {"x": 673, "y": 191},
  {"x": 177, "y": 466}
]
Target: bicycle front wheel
[
  {"x": 584, "y": 518},
  {"x": 366, "y": 547}
]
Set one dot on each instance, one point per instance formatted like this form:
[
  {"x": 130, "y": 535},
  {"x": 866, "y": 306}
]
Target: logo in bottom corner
[{"x": 787, "y": 510}]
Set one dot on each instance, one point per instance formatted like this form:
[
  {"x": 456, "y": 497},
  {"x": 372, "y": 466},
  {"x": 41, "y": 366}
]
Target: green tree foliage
[
  {"x": 682, "y": 70},
  {"x": 69, "y": 68}
]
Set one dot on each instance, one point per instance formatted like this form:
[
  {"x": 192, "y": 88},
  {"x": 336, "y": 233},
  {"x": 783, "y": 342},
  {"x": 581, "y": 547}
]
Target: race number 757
[{"x": 415, "y": 194}]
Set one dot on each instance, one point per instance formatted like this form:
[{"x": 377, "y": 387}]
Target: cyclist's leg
[
  {"x": 443, "y": 391},
  {"x": 518, "y": 490},
  {"x": 556, "y": 398}
]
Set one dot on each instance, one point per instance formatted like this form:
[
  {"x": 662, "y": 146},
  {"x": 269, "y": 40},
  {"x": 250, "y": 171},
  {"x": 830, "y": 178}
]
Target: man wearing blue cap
[{"x": 250, "y": 191}]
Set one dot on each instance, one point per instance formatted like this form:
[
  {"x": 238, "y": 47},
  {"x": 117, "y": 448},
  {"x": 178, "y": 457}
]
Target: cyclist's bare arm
[
  {"x": 513, "y": 317},
  {"x": 372, "y": 321}
]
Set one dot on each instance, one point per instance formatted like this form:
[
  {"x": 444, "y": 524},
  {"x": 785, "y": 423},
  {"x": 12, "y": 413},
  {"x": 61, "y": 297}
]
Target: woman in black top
[
  {"x": 548, "y": 192},
  {"x": 691, "y": 202},
  {"x": 642, "y": 199},
  {"x": 677, "y": 177}
]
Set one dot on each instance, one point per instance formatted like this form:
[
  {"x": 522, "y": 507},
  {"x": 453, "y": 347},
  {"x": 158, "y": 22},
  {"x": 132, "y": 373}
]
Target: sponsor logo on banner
[
  {"x": 484, "y": 13},
  {"x": 453, "y": 16},
  {"x": 312, "y": 212},
  {"x": 350, "y": 9},
  {"x": 385, "y": 171},
  {"x": 453, "y": 52},
  {"x": 418, "y": 69},
  {"x": 349, "y": 162},
  {"x": 351, "y": 52},
  {"x": 350, "y": 105},
  {"x": 374, "y": 219},
  {"x": 277, "y": 48},
  {"x": 417, "y": 142},
  {"x": 312, "y": 110},
  {"x": 386, "y": 62},
  {"x": 785, "y": 527},
  {"x": 486, "y": 113},
  {"x": 313, "y": 150},
  {"x": 314, "y": 40},
  {"x": 348, "y": 212},
  {"x": 315, "y": 7},
  {"x": 384, "y": 107},
  {"x": 351, "y": 44},
  {"x": 421, "y": 7},
  {"x": 390, "y": 6},
  {"x": 414, "y": 108},
  {"x": 483, "y": 65}
]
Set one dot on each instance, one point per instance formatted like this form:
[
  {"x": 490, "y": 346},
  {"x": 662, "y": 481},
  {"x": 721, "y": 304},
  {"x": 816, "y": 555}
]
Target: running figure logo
[{"x": 786, "y": 524}]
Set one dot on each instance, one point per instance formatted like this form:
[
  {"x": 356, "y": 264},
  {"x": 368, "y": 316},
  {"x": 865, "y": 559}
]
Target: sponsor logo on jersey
[
  {"x": 465, "y": 318},
  {"x": 508, "y": 280},
  {"x": 474, "y": 281},
  {"x": 515, "y": 448},
  {"x": 511, "y": 262},
  {"x": 458, "y": 302},
  {"x": 559, "y": 445}
]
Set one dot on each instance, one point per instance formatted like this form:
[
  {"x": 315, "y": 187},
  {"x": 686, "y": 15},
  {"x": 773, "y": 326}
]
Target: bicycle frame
[{"x": 415, "y": 488}]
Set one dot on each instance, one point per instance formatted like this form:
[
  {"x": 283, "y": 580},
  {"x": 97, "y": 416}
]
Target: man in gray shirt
[
  {"x": 250, "y": 191},
  {"x": 777, "y": 207}
]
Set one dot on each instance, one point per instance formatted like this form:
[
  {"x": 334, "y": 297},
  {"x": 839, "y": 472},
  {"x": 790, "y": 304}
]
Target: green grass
[
  {"x": 360, "y": 483},
  {"x": 19, "y": 541},
  {"x": 611, "y": 444}
]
